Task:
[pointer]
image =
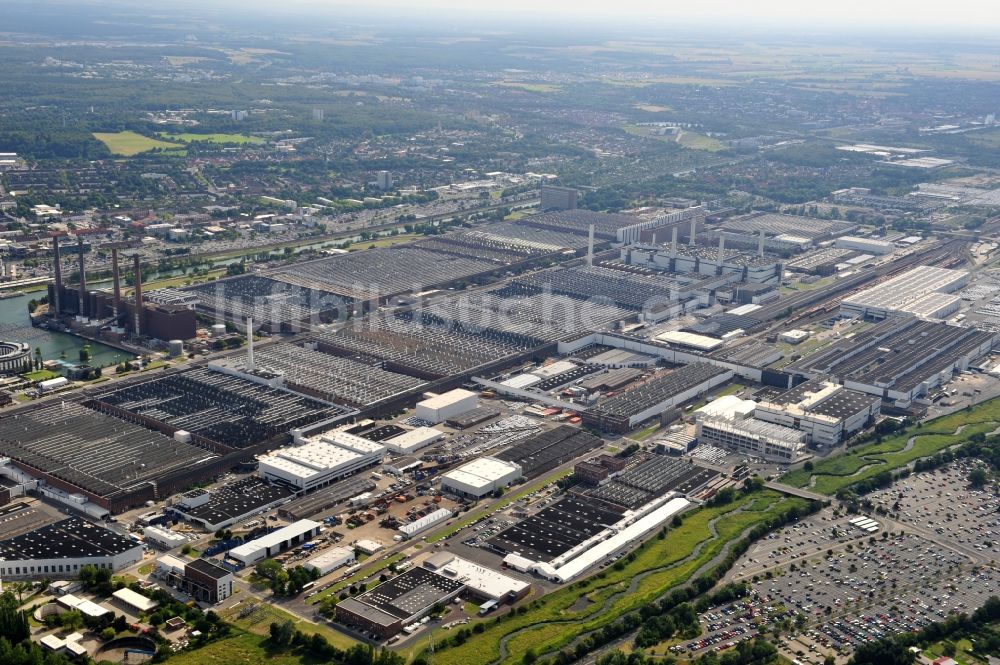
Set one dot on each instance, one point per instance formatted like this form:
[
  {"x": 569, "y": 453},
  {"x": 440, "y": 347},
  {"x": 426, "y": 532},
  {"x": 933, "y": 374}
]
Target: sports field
[{"x": 129, "y": 144}]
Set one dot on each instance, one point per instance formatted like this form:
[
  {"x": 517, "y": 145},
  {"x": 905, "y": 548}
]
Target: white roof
[
  {"x": 907, "y": 288},
  {"x": 426, "y": 521},
  {"x": 446, "y": 399},
  {"x": 489, "y": 582},
  {"x": 274, "y": 538},
  {"x": 84, "y": 606},
  {"x": 630, "y": 534},
  {"x": 482, "y": 472},
  {"x": 415, "y": 438},
  {"x": 332, "y": 555},
  {"x": 353, "y": 442},
  {"x": 521, "y": 381},
  {"x": 701, "y": 342},
  {"x": 728, "y": 406},
  {"x": 745, "y": 309},
  {"x": 172, "y": 562},
  {"x": 366, "y": 545},
  {"x": 555, "y": 368},
  {"x": 134, "y": 599}
]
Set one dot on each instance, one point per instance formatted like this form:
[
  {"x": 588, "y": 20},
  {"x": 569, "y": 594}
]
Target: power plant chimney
[
  {"x": 673, "y": 243},
  {"x": 58, "y": 273},
  {"x": 590, "y": 246},
  {"x": 137, "y": 269},
  {"x": 83, "y": 279},
  {"x": 654, "y": 238},
  {"x": 116, "y": 279},
  {"x": 694, "y": 231},
  {"x": 250, "y": 364},
  {"x": 722, "y": 249},
  {"x": 760, "y": 244}
]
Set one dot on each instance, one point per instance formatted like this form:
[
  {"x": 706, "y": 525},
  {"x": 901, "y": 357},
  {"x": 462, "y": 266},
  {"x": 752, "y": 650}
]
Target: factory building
[
  {"x": 480, "y": 477},
  {"x": 733, "y": 265},
  {"x": 398, "y": 602},
  {"x": 924, "y": 291},
  {"x": 828, "y": 413},
  {"x": 163, "y": 537},
  {"x": 413, "y": 440},
  {"x": 206, "y": 582},
  {"x": 274, "y": 543},
  {"x": 330, "y": 560},
  {"x": 899, "y": 359},
  {"x": 558, "y": 198},
  {"x": 62, "y": 548},
  {"x": 317, "y": 462},
  {"x": 866, "y": 245},
  {"x": 481, "y": 583},
  {"x": 132, "y": 602},
  {"x": 447, "y": 405},
  {"x": 728, "y": 423}
]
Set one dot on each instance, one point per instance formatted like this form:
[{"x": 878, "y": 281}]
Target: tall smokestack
[
  {"x": 250, "y": 364},
  {"x": 694, "y": 231},
  {"x": 137, "y": 269},
  {"x": 58, "y": 272},
  {"x": 760, "y": 243},
  {"x": 116, "y": 279},
  {"x": 83, "y": 279},
  {"x": 654, "y": 238},
  {"x": 673, "y": 243},
  {"x": 590, "y": 246},
  {"x": 722, "y": 249}
]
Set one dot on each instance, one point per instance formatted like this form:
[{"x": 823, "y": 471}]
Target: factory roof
[
  {"x": 446, "y": 399},
  {"x": 410, "y": 593},
  {"x": 486, "y": 581},
  {"x": 310, "y": 459},
  {"x": 693, "y": 340},
  {"x": 332, "y": 555},
  {"x": 133, "y": 599},
  {"x": 275, "y": 537},
  {"x": 68, "y": 539},
  {"x": 908, "y": 288},
  {"x": 415, "y": 438},
  {"x": 823, "y": 398},
  {"x": 727, "y": 405},
  {"x": 483, "y": 471},
  {"x": 208, "y": 568}
]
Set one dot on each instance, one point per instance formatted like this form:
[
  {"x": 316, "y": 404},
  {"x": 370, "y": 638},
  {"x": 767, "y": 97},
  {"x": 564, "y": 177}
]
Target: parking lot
[{"x": 825, "y": 585}]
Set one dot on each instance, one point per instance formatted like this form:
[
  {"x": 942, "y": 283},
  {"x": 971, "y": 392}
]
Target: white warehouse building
[
  {"x": 317, "y": 462},
  {"x": 438, "y": 408},
  {"x": 480, "y": 477},
  {"x": 425, "y": 522},
  {"x": 728, "y": 423},
  {"x": 413, "y": 440},
  {"x": 331, "y": 560},
  {"x": 867, "y": 245},
  {"x": 274, "y": 543}
]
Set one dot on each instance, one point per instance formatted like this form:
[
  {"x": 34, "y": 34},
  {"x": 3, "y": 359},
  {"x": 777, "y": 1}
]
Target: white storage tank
[
  {"x": 218, "y": 329},
  {"x": 176, "y": 347}
]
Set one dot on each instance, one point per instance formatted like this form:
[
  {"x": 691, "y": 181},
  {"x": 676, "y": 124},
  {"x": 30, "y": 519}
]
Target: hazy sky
[{"x": 979, "y": 14}]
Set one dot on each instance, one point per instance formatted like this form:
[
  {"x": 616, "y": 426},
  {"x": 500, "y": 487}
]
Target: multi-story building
[{"x": 827, "y": 412}]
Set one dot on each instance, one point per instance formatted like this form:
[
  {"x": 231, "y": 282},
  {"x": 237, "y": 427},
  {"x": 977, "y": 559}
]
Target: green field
[
  {"x": 868, "y": 460},
  {"x": 699, "y": 142},
  {"x": 225, "y": 139},
  {"x": 128, "y": 144},
  {"x": 555, "y": 620}
]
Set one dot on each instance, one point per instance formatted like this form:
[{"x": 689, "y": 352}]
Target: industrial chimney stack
[
  {"x": 116, "y": 279},
  {"x": 83, "y": 280},
  {"x": 58, "y": 274},
  {"x": 137, "y": 269},
  {"x": 590, "y": 246},
  {"x": 250, "y": 364}
]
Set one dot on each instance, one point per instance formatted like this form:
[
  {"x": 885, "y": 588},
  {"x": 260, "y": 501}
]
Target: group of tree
[
  {"x": 284, "y": 636},
  {"x": 16, "y": 647},
  {"x": 286, "y": 582}
]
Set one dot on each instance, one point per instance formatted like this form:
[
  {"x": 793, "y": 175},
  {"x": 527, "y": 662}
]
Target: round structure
[
  {"x": 218, "y": 329},
  {"x": 176, "y": 348},
  {"x": 13, "y": 356},
  {"x": 133, "y": 649}
]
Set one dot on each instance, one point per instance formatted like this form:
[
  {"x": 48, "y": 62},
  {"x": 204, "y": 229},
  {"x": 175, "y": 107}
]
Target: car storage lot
[
  {"x": 828, "y": 585},
  {"x": 942, "y": 502}
]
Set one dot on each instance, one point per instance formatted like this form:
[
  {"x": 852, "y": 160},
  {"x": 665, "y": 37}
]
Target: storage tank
[
  {"x": 176, "y": 347},
  {"x": 218, "y": 329}
]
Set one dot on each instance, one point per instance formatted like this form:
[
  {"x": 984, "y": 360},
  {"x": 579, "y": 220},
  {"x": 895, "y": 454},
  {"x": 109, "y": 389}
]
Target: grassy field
[
  {"x": 240, "y": 648},
  {"x": 128, "y": 144},
  {"x": 653, "y": 108},
  {"x": 865, "y": 461},
  {"x": 531, "y": 87},
  {"x": 696, "y": 141},
  {"x": 40, "y": 375},
  {"x": 260, "y": 621},
  {"x": 224, "y": 139},
  {"x": 556, "y": 619}
]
